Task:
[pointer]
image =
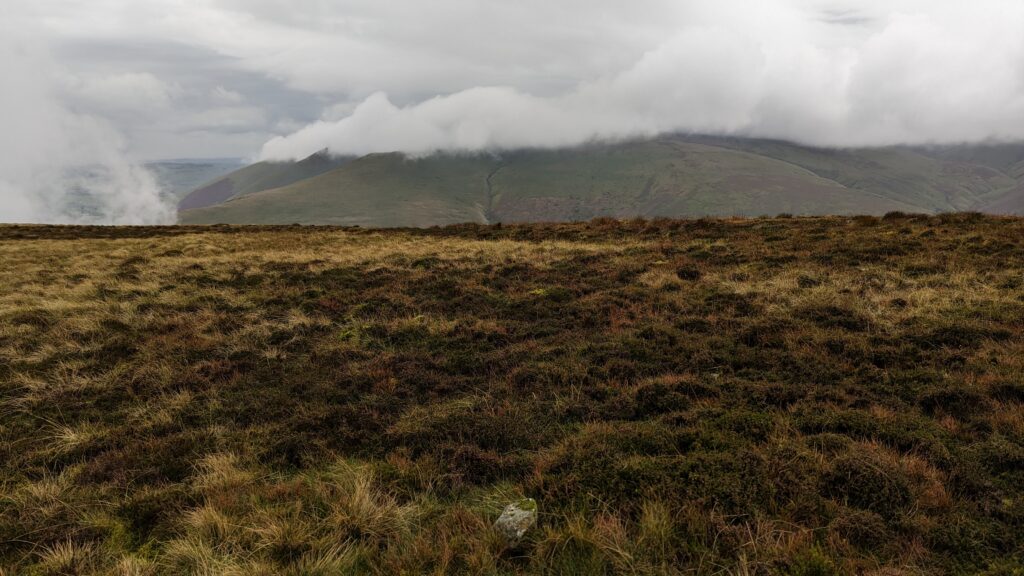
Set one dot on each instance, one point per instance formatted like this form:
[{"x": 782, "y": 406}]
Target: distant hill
[
  {"x": 672, "y": 176},
  {"x": 258, "y": 177},
  {"x": 85, "y": 197},
  {"x": 1011, "y": 202},
  {"x": 178, "y": 178}
]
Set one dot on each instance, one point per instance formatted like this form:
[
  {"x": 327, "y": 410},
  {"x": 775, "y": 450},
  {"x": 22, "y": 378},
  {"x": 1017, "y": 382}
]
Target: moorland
[{"x": 821, "y": 395}]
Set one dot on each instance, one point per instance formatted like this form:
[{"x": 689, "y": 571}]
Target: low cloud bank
[
  {"x": 56, "y": 165},
  {"x": 938, "y": 72}
]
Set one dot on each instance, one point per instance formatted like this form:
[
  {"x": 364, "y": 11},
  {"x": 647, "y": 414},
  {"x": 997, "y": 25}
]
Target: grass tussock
[{"x": 770, "y": 396}]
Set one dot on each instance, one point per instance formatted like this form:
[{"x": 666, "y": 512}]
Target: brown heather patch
[{"x": 766, "y": 396}]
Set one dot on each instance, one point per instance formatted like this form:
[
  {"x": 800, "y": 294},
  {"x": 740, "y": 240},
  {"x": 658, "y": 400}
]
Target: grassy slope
[
  {"x": 178, "y": 179},
  {"x": 671, "y": 176},
  {"x": 937, "y": 180},
  {"x": 1002, "y": 157},
  {"x": 793, "y": 396},
  {"x": 1008, "y": 160},
  {"x": 259, "y": 177},
  {"x": 1011, "y": 202},
  {"x": 376, "y": 190},
  {"x": 1017, "y": 170},
  {"x": 666, "y": 178}
]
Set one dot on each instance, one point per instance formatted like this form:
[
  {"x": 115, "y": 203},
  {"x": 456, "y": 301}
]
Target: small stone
[{"x": 517, "y": 518}]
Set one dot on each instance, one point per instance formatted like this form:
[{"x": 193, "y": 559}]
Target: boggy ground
[{"x": 792, "y": 395}]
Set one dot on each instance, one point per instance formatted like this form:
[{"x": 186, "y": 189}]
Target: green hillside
[
  {"x": 673, "y": 176},
  {"x": 375, "y": 190},
  {"x": 933, "y": 180},
  {"x": 1006, "y": 158},
  {"x": 1010, "y": 202},
  {"x": 179, "y": 178},
  {"x": 258, "y": 177},
  {"x": 666, "y": 177}
]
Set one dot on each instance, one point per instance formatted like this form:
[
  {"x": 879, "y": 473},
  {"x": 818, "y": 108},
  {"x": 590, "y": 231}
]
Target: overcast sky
[
  {"x": 284, "y": 78},
  {"x": 182, "y": 78}
]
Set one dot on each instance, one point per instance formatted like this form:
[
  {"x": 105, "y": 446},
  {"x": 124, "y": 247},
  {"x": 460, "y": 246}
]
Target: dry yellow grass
[{"x": 798, "y": 396}]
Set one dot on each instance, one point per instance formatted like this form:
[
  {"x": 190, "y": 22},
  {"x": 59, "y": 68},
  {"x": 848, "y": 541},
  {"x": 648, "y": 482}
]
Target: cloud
[
  {"x": 224, "y": 96},
  {"x": 223, "y": 118},
  {"x": 56, "y": 165},
  {"x": 816, "y": 73},
  {"x": 412, "y": 75},
  {"x": 133, "y": 92}
]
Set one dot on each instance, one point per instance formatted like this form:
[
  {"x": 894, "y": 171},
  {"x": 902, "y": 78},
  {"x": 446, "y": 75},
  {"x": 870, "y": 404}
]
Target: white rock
[{"x": 517, "y": 518}]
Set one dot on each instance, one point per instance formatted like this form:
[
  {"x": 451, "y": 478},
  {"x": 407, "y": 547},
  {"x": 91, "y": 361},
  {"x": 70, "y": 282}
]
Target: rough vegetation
[{"x": 804, "y": 396}]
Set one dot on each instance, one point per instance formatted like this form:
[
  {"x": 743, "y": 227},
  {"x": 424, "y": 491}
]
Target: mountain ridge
[{"x": 669, "y": 176}]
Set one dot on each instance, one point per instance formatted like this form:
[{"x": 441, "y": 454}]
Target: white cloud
[
  {"x": 225, "y": 118},
  {"x": 470, "y": 73},
  {"x": 934, "y": 73},
  {"x": 224, "y": 96},
  {"x": 133, "y": 92},
  {"x": 55, "y": 163}
]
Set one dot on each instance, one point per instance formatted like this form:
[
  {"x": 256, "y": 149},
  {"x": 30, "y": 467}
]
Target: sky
[{"x": 112, "y": 83}]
